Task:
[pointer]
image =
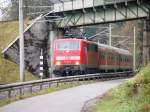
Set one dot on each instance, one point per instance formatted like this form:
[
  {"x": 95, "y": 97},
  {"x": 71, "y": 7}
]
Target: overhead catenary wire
[
  {"x": 123, "y": 40},
  {"x": 98, "y": 34}
]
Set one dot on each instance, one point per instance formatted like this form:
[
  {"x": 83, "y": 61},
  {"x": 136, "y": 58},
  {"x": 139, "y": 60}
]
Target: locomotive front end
[{"x": 66, "y": 57}]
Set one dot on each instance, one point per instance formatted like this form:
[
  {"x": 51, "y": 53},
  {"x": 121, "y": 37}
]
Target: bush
[{"x": 132, "y": 96}]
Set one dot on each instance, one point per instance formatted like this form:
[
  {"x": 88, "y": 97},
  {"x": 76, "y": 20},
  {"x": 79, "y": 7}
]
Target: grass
[
  {"x": 52, "y": 89},
  {"x": 132, "y": 96},
  {"x": 8, "y": 32},
  {"x": 9, "y": 71}
]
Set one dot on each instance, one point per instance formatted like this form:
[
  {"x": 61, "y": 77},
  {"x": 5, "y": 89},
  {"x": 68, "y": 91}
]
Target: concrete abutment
[{"x": 146, "y": 41}]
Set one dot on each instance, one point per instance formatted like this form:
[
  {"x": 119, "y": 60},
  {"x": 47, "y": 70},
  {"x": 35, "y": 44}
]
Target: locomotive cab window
[{"x": 68, "y": 45}]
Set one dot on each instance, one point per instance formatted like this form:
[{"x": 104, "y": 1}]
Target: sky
[{"x": 3, "y": 4}]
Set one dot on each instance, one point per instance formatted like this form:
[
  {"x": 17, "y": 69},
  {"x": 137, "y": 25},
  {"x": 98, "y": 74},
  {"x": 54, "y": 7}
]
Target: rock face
[{"x": 35, "y": 39}]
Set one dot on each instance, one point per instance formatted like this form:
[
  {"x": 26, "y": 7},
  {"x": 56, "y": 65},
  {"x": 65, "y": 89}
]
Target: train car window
[
  {"x": 89, "y": 47},
  {"x": 100, "y": 55},
  {"x": 123, "y": 59},
  {"x": 96, "y": 48},
  {"x": 68, "y": 45},
  {"x": 128, "y": 59},
  {"x": 117, "y": 58},
  {"x": 120, "y": 58},
  {"x": 109, "y": 56},
  {"x": 92, "y": 47},
  {"x": 112, "y": 57},
  {"x": 103, "y": 55}
]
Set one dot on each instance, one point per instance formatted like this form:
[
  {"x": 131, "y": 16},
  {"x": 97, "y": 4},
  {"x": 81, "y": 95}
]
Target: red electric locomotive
[{"x": 79, "y": 56}]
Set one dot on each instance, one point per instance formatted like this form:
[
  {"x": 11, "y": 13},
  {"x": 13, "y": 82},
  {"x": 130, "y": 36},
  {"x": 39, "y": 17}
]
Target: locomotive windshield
[{"x": 68, "y": 45}]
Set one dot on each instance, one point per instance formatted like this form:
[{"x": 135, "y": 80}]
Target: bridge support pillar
[
  {"x": 51, "y": 38},
  {"x": 146, "y": 42},
  {"x": 53, "y": 34}
]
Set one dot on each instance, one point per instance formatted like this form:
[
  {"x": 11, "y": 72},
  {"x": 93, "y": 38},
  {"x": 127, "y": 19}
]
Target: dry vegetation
[
  {"x": 9, "y": 71},
  {"x": 132, "y": 96}
]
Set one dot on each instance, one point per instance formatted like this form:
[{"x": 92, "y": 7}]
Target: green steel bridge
[{"x": 89, "y": 12}]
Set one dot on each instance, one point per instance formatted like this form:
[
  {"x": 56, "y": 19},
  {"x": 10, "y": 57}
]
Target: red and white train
[{"x": 79, "y": 56}]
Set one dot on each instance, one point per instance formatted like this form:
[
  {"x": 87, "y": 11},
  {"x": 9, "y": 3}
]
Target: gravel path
[{"x": 68, "y": 100}]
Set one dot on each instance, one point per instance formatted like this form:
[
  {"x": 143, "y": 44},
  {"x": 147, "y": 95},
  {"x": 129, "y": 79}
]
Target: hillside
[
  {"x": 9, "y": 71},
  {"x": 132, "y": 96},
  {"x": 8, "y": 32}
]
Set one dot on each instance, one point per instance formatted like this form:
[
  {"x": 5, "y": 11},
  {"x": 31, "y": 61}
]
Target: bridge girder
[{"x": 104, "y": 14}]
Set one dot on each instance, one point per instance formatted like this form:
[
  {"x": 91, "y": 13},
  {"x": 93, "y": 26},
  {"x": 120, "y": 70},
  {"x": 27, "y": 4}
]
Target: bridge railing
[
  {"x": 80, "y": 4},
  {"x": 26, "y": 88},
  {"x": 116, "y": 1}
]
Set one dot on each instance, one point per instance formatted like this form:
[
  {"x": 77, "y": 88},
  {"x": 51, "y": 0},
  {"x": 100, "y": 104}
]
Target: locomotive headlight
[
  {"x": 67, "y": 51},
  {"x": 58, "y": 63},
  {"x": 77, "y": 63}
]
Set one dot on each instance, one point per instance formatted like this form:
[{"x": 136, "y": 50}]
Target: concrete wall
[
  {"x": 53, "y": 34},
  {"x": 146, "y": 41}
]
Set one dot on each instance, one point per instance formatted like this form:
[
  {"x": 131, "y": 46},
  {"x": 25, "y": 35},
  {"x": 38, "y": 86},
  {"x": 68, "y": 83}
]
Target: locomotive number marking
[{"x": 68, "y": 58}]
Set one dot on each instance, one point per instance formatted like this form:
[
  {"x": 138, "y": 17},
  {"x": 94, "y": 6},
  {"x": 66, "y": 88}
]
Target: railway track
[{"x": 21, "y": 88}]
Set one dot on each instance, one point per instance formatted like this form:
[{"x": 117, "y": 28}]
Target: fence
[{"x": 29, "y": 87}]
